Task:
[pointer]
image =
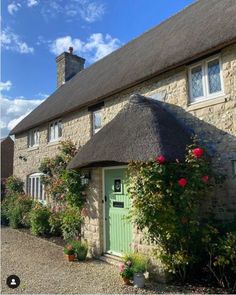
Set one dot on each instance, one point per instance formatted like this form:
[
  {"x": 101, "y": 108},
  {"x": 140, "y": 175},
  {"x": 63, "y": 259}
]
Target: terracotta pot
[
  {"x": 126, "y": 281},
  {"x": 70, "y": 257}
]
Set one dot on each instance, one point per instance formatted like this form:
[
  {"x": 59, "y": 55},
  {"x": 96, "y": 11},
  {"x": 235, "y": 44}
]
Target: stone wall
[{"x": 214, "y": 121}]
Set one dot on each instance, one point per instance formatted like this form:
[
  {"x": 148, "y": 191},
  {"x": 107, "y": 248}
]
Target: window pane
[
  {"x": 36, "y": 137},
  {"x": 33, "y": 189},
  {"x": 30, "y": 138},
  {"x": 196, "y": 82},
  {"x": 55, "y": 130},
  {"x": 214, "y": 76},
  {"x": 37, "y": 188},
  {"x": 59, "y": 129},
  {"x": 97, "y": 121},
  {"x": 51, "y": 133}
]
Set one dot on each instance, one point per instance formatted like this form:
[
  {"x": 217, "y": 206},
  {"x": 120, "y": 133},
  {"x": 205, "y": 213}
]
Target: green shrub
[
  {"x": 166, "y": 198},
  {"x": 71, "y": 223},
  {"x": 221, "y": 250},
  {"x": 14, "y": 185},
  {"x": 39, "y": 220},
  {"x": 55, "y": 222},
  {"x": 16, "y": 210},
  {"x": 81, "y": 249}
]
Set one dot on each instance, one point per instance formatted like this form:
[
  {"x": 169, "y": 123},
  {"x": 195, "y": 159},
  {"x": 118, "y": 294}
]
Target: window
[
  {"x": 35, "y": 188},
  {"x": 97, "y": 121},
  {"x": 33, "y": 138},
  {"x": 205, "y": 80},
  {"x": 55, "y": 130}
]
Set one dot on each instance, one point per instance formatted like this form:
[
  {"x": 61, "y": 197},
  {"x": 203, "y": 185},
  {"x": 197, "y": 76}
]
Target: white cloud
[
  {"x": 14, "y": 110},
  {"x": 99, "y": 46},
  {"x": 96, "y": 47},
  {"x": 31, "y": 3},
  {"x": 88, "y": 10},
  {"x": 62, "y": 44},
  {"x": 13, "y": 7},
  {"x": 5, "y": 86},
  {"x": 11, "y": 41},
  {"x": 91, "y": 11}
]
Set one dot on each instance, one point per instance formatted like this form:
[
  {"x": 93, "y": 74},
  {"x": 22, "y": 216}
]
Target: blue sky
[{"x": 34, "y": 32}]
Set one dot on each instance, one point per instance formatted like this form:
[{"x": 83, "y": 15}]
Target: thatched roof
[
  {"x": 141, "y": 131},
  {"x": 201, "y": 28}
]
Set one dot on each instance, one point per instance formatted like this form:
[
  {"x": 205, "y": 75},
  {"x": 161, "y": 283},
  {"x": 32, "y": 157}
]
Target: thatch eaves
[{"x": 141, "y": 131}]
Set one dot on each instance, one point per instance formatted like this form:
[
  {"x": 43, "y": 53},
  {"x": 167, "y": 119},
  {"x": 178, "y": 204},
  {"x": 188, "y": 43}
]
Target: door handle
[{"x": 105, "y": 198}]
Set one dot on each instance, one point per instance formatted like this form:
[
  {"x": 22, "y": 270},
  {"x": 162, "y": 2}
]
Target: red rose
[
  {"x": 205, "y": 178},
  {"x": 182, "y": 182},
  {"x": 160, "y": 159},
  {"x": 198, "y": 152}
]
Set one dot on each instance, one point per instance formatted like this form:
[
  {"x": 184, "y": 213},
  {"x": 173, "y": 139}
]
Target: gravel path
[{"x": 43, "y": 269}]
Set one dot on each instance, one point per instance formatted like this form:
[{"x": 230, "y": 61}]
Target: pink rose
[{"x": 121, "y": 267}]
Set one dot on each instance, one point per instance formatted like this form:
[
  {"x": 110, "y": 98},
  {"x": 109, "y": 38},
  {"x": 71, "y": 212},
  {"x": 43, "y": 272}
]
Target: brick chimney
[{"x": 68, "y": 65}]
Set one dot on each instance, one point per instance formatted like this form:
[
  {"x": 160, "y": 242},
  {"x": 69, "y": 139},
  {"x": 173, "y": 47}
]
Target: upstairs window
[
  {"x": 35, "y": 188},
  {"x": 205, "y": 80},
  {"x": 55, "y": 130},
  {"x": 33, "y": 138},
  {"x": 97, "y": 121}
]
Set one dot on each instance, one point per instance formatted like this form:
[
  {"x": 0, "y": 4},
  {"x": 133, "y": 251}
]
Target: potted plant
[
  {"x": 81, "y": 250},
  {"x": 69, "y": 252},
  {"x": 139, "y": 266},
  {"x": 126, "y": 272}
]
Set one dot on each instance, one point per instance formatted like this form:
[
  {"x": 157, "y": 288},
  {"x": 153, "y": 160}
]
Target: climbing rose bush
[{"x": 166, "y": 199}]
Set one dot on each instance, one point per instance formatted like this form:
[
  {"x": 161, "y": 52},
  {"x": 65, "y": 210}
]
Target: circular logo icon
[{"x": 13, "y": 281}]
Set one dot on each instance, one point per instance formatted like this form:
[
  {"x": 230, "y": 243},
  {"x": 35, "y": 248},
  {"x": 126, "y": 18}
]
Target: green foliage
[
  {"x": 69, "y": 249},
  {"x": 62, "y": 185},
  {"x": 137, "y": 261},
  {"x": 75, "y": 189},
  {"x": 71, "y": 223},
  {"x": 39, "y": 220},
  {"x": 221, "y": 250},
  {"x": 14, "y": 185},
  {"x": 55, "y": 222},
  {"x": 16, "y": 210},
  {"x": 126, "y": 271},
  {"x": 166, "y": 199},
  {"x": 81, "y": 249}
]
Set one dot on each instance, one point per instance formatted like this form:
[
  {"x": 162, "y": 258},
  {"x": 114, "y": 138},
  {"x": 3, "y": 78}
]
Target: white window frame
[
  {"x": 95, "y": 130},
  {"x": 37, "y": 195},
  {"x": 205, "y": 82},
  {"x": 33, "y": 134},
  {"x": 55, "y": 136}
]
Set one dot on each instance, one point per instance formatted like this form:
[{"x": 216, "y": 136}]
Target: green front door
[{"x": 117, "y": 203}]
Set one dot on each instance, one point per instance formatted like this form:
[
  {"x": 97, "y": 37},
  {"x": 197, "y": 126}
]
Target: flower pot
[
  {"x": 126, "y": 281},
  {"x": 70, "y": 257},
  {"x": 139, "y": 280}
]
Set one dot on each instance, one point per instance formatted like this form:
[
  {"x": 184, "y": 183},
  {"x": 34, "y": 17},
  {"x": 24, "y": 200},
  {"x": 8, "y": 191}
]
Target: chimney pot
[{"x": 71, "y": 50}]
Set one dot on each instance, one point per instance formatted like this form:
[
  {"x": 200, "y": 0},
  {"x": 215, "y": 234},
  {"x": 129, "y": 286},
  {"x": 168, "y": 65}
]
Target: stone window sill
[
  {"x": 206, "y": 103},
  {"x": 55, "y": 142},
  {"x": 33, "y": 148}
]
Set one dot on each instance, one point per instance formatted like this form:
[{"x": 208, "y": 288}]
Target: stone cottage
[{"x": 147, "y": 97}]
